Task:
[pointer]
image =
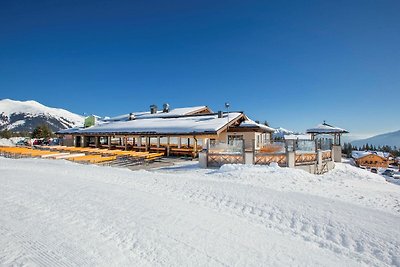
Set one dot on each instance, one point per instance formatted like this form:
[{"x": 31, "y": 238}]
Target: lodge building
[
  {"x": 179, "y": 131},
  {"x": 215, "y": 138}
]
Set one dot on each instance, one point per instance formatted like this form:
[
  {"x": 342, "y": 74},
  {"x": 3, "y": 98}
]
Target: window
[
  {"x": 212, "y": 141},
  {"x": 234, "y": 138}
]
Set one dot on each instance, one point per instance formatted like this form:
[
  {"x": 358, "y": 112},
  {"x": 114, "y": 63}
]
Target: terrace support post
[
  {"x": 139, "y": 141},
  {"x": 83, "y": 141},
  {"x": 337, "y": 153},
  {"x": 203, "y": 159},
  {"x": 195, "y": 147},
  {"x": 109, "y": 141},
  {"x": 158, "y": 141},
  {"x": 290, "y": 159},
  {"x": 249, "y": 154},
  {"x": 179, "y": 142},
  {"x": 319, "y": 157},
  {"x": 168, "y": 147},
  {"x": 97, "y": 141},
  {"x": 126, "y": 143},
  {"x": 249, "y": 157},
  {"x": 147, "y": 143},
  {"x": 75, "y": 141},
  {"x": 203, "y": 155}
]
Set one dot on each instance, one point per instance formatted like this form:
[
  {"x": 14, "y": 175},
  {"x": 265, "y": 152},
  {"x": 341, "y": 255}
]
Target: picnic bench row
[{"x": 85, "y": 155}]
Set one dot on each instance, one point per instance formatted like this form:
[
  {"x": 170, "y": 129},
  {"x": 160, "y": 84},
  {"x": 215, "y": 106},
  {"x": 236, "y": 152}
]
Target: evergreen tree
[
  {"x": 42, "y": 131},
  {"x": 6, "y": 134}
]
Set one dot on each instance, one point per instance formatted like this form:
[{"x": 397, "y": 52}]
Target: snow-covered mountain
[
  {"x": 26, "y": 115},
  {"x": 281, "y": 132},
  {"x": 391, "y": 139}
]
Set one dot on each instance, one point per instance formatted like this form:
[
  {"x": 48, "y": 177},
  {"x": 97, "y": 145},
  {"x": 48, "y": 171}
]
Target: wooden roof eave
[
  {"x": 248, "y": 129},
  {"x": 201, "y": 110},
  {"x": 151, "y": 134},
  {"x": 232, "y": 122}
]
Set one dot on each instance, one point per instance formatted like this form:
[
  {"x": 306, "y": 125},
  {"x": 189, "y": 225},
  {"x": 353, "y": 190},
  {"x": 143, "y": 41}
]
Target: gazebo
[{"x": 336, "y": 132}]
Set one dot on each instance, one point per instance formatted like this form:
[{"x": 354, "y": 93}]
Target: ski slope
[{"x": 58, "y": 213}]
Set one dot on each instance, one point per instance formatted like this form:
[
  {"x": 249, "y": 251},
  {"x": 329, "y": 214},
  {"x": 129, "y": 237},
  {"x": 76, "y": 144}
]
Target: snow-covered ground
[
  {"x": 58, "y": 213},
  {"x": 11, "y": 141}
]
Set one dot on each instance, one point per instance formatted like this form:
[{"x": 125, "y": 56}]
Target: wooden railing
[
  {"x": 305, "y": 158},
  {"x": 261, "y": 158}
]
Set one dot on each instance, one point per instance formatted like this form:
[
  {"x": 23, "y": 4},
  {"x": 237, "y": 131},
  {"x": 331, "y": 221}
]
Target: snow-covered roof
[
  {"x": 297, "y": 137},
  {"x": 160, "y": 113},
  {"x": 360, "y": 154},
  {"x": 325, "y": 128},
  {"x": 248, "y": 123},
  {"x": 189, "y": 124}
]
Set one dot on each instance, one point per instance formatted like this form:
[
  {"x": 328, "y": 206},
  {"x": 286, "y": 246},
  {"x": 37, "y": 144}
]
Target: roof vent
[
  {"x": 153, "y": 109},
  {"x": 166, "y": 108},
  {"x": 131, "y": 116},
  {"x": 220, "y": 114}
]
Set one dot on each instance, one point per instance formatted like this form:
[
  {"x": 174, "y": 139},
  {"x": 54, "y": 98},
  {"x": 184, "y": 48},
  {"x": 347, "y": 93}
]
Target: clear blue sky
[{"x": 292, "y": 63}]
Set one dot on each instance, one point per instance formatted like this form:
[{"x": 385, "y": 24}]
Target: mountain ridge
[
  {"x": 390, "y": 139},
  {"x": 20, "y": 116}
]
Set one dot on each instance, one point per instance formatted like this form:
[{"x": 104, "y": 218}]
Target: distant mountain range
[
  {"x": 20, "y": 116},
  {"x": 281, "y": 132},
  {"x": 391, "y": 139}
]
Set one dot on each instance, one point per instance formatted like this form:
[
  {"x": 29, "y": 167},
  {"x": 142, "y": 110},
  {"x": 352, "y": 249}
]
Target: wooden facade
[{"x": 372, "y": 161}]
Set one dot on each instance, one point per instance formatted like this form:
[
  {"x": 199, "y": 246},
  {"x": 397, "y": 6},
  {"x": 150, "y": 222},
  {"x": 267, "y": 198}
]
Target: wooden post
[
  {"x": 147, "y": 143},
  {"x": 158, "y": 141},
  {"x": 168, "y": 141},
  {"x": 179, "y": 142},
  {"x": 109, "y": 141},
  {"x": 195, "y": 147},
  {"x": 97, "y": 141},
  {"x": 126, "y": 142}
]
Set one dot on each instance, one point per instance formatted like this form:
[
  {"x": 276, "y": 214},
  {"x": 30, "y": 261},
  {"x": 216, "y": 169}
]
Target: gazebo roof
[{"x": 325, "y": 128}]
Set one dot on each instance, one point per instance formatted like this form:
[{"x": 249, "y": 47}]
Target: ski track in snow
[{"x": 63, "y": 214}]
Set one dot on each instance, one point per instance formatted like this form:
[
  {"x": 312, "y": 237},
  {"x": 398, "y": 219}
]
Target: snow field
[{"x": 57, "y": 213}]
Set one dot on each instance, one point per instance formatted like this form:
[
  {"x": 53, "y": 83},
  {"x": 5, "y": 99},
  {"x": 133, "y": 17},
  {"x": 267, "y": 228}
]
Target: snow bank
[
  {"x": 10, "y": 142},
  {"x": 62, "y": 213}
]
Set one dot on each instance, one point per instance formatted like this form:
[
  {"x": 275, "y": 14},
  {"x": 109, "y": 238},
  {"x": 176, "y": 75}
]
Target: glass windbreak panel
[
  {"x": 235, "y": 147},
  {"x": 305, "y": 146},
  {"x": 290, "y": 145},
  {"x": 273, "y": 147},
  {"x": 325, "y": 144}
]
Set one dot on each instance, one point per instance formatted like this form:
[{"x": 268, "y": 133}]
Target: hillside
[
  {"x": 391, "y": 139},
  {"x": 21, "y": 116}
]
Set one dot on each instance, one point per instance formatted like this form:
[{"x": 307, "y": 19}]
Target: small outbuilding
[{"x": 369, "y": 159}]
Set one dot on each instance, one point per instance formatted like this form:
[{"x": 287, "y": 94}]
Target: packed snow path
[{"x": 57, "y": 213}]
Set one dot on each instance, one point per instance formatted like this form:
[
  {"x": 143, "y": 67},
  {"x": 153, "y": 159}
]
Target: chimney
[
  {"x": 166, "y": 108},
  {"x": 131, "y": 116},
  {"x": 220, "y": 114},
  {"x": 153, "y": 109}
]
